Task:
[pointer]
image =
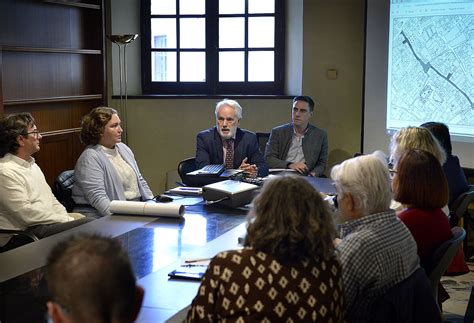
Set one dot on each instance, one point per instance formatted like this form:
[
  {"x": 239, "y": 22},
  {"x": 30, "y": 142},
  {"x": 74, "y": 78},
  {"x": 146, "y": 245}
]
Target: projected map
[{"x": 431, "y": 71}]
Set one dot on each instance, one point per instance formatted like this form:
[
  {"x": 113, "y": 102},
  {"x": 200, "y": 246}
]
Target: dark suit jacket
[
  {"x": 209, "y": 149},
  {"x": 315, "y": 148}
]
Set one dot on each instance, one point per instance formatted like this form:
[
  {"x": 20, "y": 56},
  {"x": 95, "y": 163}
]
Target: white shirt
[
  {"x": 295, "y": 153},
  {"x": 25, "y": 197},
  {"x": 127, "y": 175}
]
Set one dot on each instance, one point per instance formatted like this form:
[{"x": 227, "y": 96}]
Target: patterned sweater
[{"x": 251, "y": 286}]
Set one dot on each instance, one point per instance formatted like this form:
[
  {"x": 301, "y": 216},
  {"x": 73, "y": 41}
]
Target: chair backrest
[
  {"x": 262, "y": 139},
  {"x": 185, "y": 166},
  {"x": 461, "y": 203},
  {"x": 442, "y": 257},
  {"x": 459, "y": 207},
  {"x": 62, "y": 189},
  {"x": 18, "y": 238},
  {"x": 410, "y": 300}
]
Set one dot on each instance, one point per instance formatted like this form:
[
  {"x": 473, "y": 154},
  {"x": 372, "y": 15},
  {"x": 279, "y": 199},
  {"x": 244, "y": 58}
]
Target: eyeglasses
[
  {"x": 334, "y": 201},
  {"x": 35, "y": 133}
]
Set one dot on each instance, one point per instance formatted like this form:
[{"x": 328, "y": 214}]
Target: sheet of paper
[{"x": 150, "y": 208}]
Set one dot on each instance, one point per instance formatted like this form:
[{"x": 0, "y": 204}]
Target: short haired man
[
  {"x": 26, "y": 200},
  {"x": 90, "y": 279},
  {"x": 377, "y": 251},
  {"x": 298, "y": 145},
  {"x": 228, "y": 144}
]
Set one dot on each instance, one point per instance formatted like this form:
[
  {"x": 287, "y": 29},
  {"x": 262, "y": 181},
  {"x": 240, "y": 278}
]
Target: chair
[
  {"x": 460, "y": 209},
  {"x": 410, "y": 300},
  {"x": 185, "y": 166},
  {"x": 262, "y": 139},
  {"x": 442, "y": 257},
  {"x": 18, "y": 239},
  {"x": 62, "y": 189}
]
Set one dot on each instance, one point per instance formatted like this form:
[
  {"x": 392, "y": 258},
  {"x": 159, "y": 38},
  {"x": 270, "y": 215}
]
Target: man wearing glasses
[
  {"x": 26, "y": 200},
  {"x": 298, "y": 145}
]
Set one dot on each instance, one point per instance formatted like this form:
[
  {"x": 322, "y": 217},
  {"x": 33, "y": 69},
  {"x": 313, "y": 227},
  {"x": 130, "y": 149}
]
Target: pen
[
  {"x": 196, "y": 260},
  {"x": 189, "y": 189}
]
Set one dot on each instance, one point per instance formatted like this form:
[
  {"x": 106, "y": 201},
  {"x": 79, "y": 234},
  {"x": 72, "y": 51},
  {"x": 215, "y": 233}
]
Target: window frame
[{"x": 212, "y": 86}]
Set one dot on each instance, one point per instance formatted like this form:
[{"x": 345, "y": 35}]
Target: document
[{"x": 149, "y": 208}]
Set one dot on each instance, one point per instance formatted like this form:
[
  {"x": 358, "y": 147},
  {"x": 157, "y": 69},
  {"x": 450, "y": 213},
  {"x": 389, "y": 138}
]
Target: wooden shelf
[
  {"x": 50, "y": 50},
  {"x": 73, "y": 4},
  {"x": 60, "y": 132},
  {"x": 53, "y": 99}
]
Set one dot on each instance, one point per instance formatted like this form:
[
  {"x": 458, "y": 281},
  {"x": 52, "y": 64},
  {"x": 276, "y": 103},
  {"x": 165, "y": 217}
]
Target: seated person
[
  {"x": 420, "y": 185},
  {"x": 457, "y": 181},
  {"x": 106, "y": 169},
  {"x": 288, "y": 270},
  {"x": 26, "y": 200},
  {"x": 90, "y": 279},
  {"x": 298, "y": 145},
  {"x": 415, "y": 138},
  {"x": 227, "y": 144},
  {"x": 376, "y": 250}
]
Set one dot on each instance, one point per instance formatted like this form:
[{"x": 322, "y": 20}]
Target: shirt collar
[
  {"x": 294, "y": 130},
  {"x": 21, "y": 161},
  {"x": 109, "y": 151},
  {"x": 365, "y": 221}
]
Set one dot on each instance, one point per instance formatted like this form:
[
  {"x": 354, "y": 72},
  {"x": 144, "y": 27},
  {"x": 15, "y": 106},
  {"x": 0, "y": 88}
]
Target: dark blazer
[
  {"x": 457, "y": 181},
  {"x": 315, "y": 148},
  {"x": 209, "y": 149}
]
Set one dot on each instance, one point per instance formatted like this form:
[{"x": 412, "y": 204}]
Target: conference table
[{"x": 156, "y": 246}]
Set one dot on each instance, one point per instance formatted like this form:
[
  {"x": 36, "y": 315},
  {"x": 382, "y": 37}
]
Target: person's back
[
  {"x": 288, "y": 270},
  {"x": 90, "y": 279},
  {"x": 258, "y": 287},
  {"x": 379, "y": 254},
  {"x": 376, "y": 250},
  {"x": 455, "y": 176}
]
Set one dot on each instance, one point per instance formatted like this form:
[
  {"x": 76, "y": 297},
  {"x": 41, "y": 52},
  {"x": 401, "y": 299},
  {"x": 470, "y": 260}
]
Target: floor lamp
[{"x": 122, "y": 41}]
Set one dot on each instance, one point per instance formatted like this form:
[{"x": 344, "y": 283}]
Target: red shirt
[{"x": 429, "y": 227}]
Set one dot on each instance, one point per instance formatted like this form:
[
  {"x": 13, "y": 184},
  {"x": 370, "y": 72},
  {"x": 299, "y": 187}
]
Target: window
[{"x": 212, "y": 46}]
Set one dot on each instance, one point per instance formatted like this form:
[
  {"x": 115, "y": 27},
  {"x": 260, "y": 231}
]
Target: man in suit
[
  {"x": 227, "y": 144},
  {"x": 298, "y": 145}
]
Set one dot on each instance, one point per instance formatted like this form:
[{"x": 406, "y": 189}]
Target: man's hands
[
  {"x": 299, "y": 167},
  {"x": 250, "y": 169}
]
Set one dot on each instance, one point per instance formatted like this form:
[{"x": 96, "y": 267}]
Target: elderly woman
[
  {"x": 417, "y": 173},
  {"x": 376, "y": 250},
  {"x": 107, "y": 169},
  {"x": 415, "y": 138},
  {"x": 288, "y": 270}
]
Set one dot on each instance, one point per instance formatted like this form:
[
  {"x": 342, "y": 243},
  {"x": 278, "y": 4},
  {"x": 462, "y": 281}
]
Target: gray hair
[
  {"x": 367, "y": 179},
  {"x": 420, "y": 138},
  {"x": 231, "y": 103}
]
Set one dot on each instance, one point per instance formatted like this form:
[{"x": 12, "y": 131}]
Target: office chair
[
  {"x": 460, "y": 209},
  {"x": 18, "y": 239},
  {"x": 262, "y": 139},
  {"x": 62, "y": 189},
  {"x": 442, "y": 257},
  {"x": 185, "y": 166}
]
